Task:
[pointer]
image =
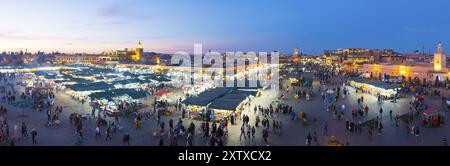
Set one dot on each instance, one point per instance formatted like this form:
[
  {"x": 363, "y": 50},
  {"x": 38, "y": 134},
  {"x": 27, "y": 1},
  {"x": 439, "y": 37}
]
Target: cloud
[
  {"x": 120, "y": 11},
  {"x": 112, "y": 16},
  {"x": 104, "y": 25}
]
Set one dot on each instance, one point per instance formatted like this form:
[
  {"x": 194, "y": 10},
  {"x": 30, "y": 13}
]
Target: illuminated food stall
[
  {"x": 301, "y": 78},
  {"x": 374, "y": 87},
  {"x": 294, "y": 78},
  {"x": 196, "y": 106},
  {"x": 223, "y": 108},
  {"x": 218, "y": 103}
]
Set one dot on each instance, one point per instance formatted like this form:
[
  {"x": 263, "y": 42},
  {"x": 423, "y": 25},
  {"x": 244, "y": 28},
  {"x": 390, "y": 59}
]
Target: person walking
[
  {"x": 93, "y": 113},
  {"x": 315, "y": 139},
  {"x": 253, "y": 132},
  {"x": 381, "y": 113},
  {"x": 49, "y": 115},
  {"x": 366, "y": 110},
  {"x": 390, "y": 114},
  {"x": 242, "y": 132},
  {"x": 249, "y": 130},
  {"x": 158, "y": 119},
  {"x": 126, "y": 139},
  {"x": 108, "y": 133},
  {"x": 24, "y": 130},
  {"x": 417, "y": 134},
  {"x": 137, "y": 122},
  {"x": 170, "y": 124},
  {"x": 257, "y": 120},
  {"x": 15, "y": 133},
  {"x": 33, "y": 136},
  {"x": 206, "y": 134},
  {"x": 265, "y": 134},
  {"x": 189, "y": 139},
  {"x": 274, "y": 125},
  {"x": 308, "y": 139},
  {"x": 97, "y": 132},
  {"x": 397, "y": 119}
]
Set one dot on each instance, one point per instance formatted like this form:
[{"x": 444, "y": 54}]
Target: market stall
[
  {"x": 162, "y": 93},
  {"x": 223, "y": 108},
  {"x": 196, "y": 106},
  {"x": 107, "y": 87},
  {"x": 374, "y": 87},
  {"x": 247, "y": 92},
  {"x": 124, "y": 104},
  {"x": 43, "y": 97},
  {"x": 215, "y": 93}
]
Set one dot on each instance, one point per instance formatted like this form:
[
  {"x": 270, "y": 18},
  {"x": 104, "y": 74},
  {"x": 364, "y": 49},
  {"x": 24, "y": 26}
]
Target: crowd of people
[
  {"x": 10, "y": 137},
  {"x": 263, "y": 122}
]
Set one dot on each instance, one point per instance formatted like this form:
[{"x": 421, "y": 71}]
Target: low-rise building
[{"x": 420, "y": 72}]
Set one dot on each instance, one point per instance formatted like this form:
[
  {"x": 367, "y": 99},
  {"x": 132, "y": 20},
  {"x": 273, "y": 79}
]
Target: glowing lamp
[
  {"x": 403, "y": 70},
  {"x": 437, "y": 67}
]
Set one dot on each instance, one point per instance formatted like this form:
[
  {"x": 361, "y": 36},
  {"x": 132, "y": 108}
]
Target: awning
[
  {"x": 374, "y": 83},
  {"x": 225, "y": 104},
  {"x": 162, "y": 92},
  {"x": 197, "y": 101}
]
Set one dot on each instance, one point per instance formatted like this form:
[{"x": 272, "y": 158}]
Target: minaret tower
[
  {"x": 296, "y": 55},
  {"x": 138, "y": 52},
  {"x": 439, "y": 58}
]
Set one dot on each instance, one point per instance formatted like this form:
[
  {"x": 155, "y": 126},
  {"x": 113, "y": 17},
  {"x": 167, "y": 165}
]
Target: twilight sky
[{"x": 223, "y": 25}]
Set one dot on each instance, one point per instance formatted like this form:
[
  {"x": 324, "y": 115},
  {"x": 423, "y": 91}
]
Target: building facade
[
  {"x": 418, "y": 72},
  {"x": 124, "y": 54},
  {"x": 133, "y": 55}
]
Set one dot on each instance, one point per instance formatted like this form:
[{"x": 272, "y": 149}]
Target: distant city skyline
[{"x": 167, "y": 26}]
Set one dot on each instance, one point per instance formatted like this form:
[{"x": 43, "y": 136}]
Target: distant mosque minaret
[
  {"x": 124, "y": 54},
  {"x": 296, "y": 56},
  {"x": 138, "y": 52},
  {"x": 439, "y": 58}
]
